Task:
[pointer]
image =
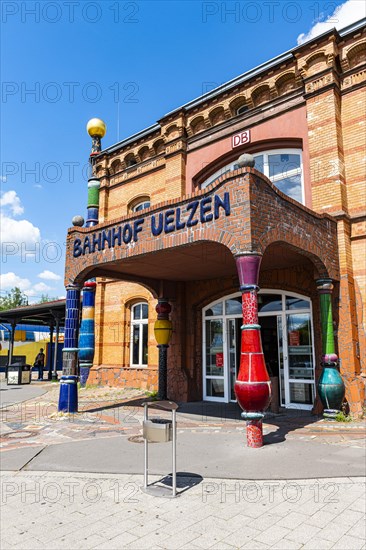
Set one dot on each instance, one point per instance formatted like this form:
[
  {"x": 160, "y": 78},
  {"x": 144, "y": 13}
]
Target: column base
[
  {"x": 254, "y": 434},
  {"x": 84, "y": 375},
  {"x": 68, "y": 400}
]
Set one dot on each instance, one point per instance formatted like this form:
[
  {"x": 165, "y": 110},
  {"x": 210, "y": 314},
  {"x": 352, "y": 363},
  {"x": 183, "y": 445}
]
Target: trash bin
[
  {"x": 158, "y": 430},
  {"x": 18, "y": 374}
]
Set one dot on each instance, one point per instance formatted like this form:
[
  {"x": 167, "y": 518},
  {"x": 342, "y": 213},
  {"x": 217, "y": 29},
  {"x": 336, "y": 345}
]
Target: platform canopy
[{"x": 36, "y": 314}]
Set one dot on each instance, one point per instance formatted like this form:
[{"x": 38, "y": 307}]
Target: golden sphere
[{"x": 96, "y": 127}]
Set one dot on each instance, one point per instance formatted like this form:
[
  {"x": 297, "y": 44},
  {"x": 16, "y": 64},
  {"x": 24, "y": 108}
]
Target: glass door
[
  {"x": 233, "y": 353},
  {"x": 300, "y": 360},
  {"x": 214, "y": 379}
]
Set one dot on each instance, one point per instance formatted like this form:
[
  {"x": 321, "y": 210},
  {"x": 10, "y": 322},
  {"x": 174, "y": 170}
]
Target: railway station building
[{"x": 179, "y": 214}]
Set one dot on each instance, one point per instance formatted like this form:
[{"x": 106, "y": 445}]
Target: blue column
[
  {"x": 68, "y": 400},
  {"x": 87, "y": 332}
]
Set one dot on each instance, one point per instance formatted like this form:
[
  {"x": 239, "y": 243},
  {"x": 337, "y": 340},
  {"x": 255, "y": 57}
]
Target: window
[
  {"x": 141, "y": 205},
  {"x": 139, "y": 333},
  {"x": 284, "y": 169},
  {"x": 282, "y": 166},
  {"x": 242, "y": 109}
]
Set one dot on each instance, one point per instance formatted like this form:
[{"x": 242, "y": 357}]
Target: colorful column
[
  {"x": 330, "y": 385},
  {"x": 68, "y": 399},
  {"x": 163, "y": 333},
  {"x": 96, "y": 129},
  {"x": 87, "y": 332},
  {"x": 252, "y": 387},
  {"x": 93, "y": 202}
]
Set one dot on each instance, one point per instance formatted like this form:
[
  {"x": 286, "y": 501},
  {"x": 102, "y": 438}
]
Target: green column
[{"x": 330, "y": 386}]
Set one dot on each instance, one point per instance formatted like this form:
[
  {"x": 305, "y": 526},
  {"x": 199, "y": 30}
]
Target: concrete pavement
[
  {"x": 56, "y": 511},
  {"x": 9, "y": 395},
  {"x": 75, "y": 481}
]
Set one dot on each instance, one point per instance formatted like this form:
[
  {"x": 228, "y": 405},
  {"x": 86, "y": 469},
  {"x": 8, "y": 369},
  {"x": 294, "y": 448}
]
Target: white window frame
[
  {"x": 283, "y": 312},
  {"x": 289, "y": 173},
  {"x": 140, "y": 323},
  {"x": 278, "y": 177},
  {"x": 141, "y": 205}
]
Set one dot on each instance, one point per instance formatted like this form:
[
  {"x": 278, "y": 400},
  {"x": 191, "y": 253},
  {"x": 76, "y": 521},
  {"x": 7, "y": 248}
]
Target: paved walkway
[
  {"x": 56, "y": 511},
  {"x": 303, "y": 489},
  {"x": 17, "y": 394},
  {"x": 106, "y": 437}
]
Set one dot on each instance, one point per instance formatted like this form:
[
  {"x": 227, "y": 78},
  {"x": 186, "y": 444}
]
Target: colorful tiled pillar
[
  {"x": 68, "y": 399},
  {"x": 96, "y": 128},
  {"x": 163, "y": 333},
  {"x": 252, "y": 387},
  {"x": 87, "y": 332},
  {"x": 330, "y": 385}
]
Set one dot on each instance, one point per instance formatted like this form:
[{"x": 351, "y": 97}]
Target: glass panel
[
  {"x": 136, "y": 312},
  {"x": 280, "y": 360},
  {"x": 301, "y": 392},
  {"x": 297, "y": 303},
  {"x": 282, "y": 164},
  {"x": 231, "y": 345},
  {"x": 144, "y": 343},
  {"x": 141, "y": 206},
  {"x": 217, "y": 309},
  {"x": 135, "y": 344},
  {"x": 215, "y": 388},
  {"x": 258, "y": 163},
  {"x": 300, "y": 352},
  {"x": 269, "y": 302},
  {"x": 214, "y": 348},
  {"x": 291, "y": 187},
  {"x": 144, "y": 309},
  {"x": 233, "y": 306}
]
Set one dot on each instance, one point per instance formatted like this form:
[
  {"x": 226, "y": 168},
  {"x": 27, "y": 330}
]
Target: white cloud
[
  {"x": 11, "y": 199},
  {"x": 347, "y": 13},
  {"x": 37, "y": 186},
  {"x": 16, "y": 232},
  {"x": 41, "y": 287},
  {"x": 49, "y": 275},
  {"x": 10, "y": 280}
]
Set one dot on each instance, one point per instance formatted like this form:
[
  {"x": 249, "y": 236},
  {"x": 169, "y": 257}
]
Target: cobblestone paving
[
  {"x": 107, "y": 412},
  {"x": 56, "y": 511}
]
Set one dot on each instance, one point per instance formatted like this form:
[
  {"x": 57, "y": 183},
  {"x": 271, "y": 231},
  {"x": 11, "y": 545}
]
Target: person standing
[{"x": 39, "y": 362}]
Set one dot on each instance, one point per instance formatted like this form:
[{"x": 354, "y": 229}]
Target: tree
[
  {"x": 46, "y": 298},
  {"x": 14, "y": 298}
]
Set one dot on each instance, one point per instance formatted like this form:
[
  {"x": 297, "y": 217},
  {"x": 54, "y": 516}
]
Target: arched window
[
  {"x": 139, "y": 334},
  {"x": 139, "y": 204},
  {"x": 282, "y": 166},
  {"x": 242, "y": 109}
]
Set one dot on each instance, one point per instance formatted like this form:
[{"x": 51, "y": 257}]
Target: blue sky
[{"x": 65, "y": 62}]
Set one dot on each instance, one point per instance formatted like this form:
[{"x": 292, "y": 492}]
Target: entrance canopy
[{"x": 198, "y": 236}]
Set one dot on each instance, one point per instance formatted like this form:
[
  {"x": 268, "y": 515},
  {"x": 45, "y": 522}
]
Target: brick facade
[{"x": 311, "y": 99}]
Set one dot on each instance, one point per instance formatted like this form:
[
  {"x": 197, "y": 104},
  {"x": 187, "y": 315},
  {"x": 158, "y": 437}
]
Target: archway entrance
[{"x": 288, "y": 346}]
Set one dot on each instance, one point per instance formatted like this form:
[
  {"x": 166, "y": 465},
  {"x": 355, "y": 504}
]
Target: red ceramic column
[{"x": 253, "y": 386}]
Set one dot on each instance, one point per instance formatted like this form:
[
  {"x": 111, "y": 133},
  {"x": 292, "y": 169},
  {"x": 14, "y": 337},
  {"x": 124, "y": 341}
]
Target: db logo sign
[{"x": 240, "y": 139}]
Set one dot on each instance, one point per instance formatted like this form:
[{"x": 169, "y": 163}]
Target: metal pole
[
  {"x": 145, "y": 451},
  {"x": 11, "y": 343},
  {"x": 174, "y": 457},
  {"x": 54, "y": 375},
  {"x": 51, "y": 353}
]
